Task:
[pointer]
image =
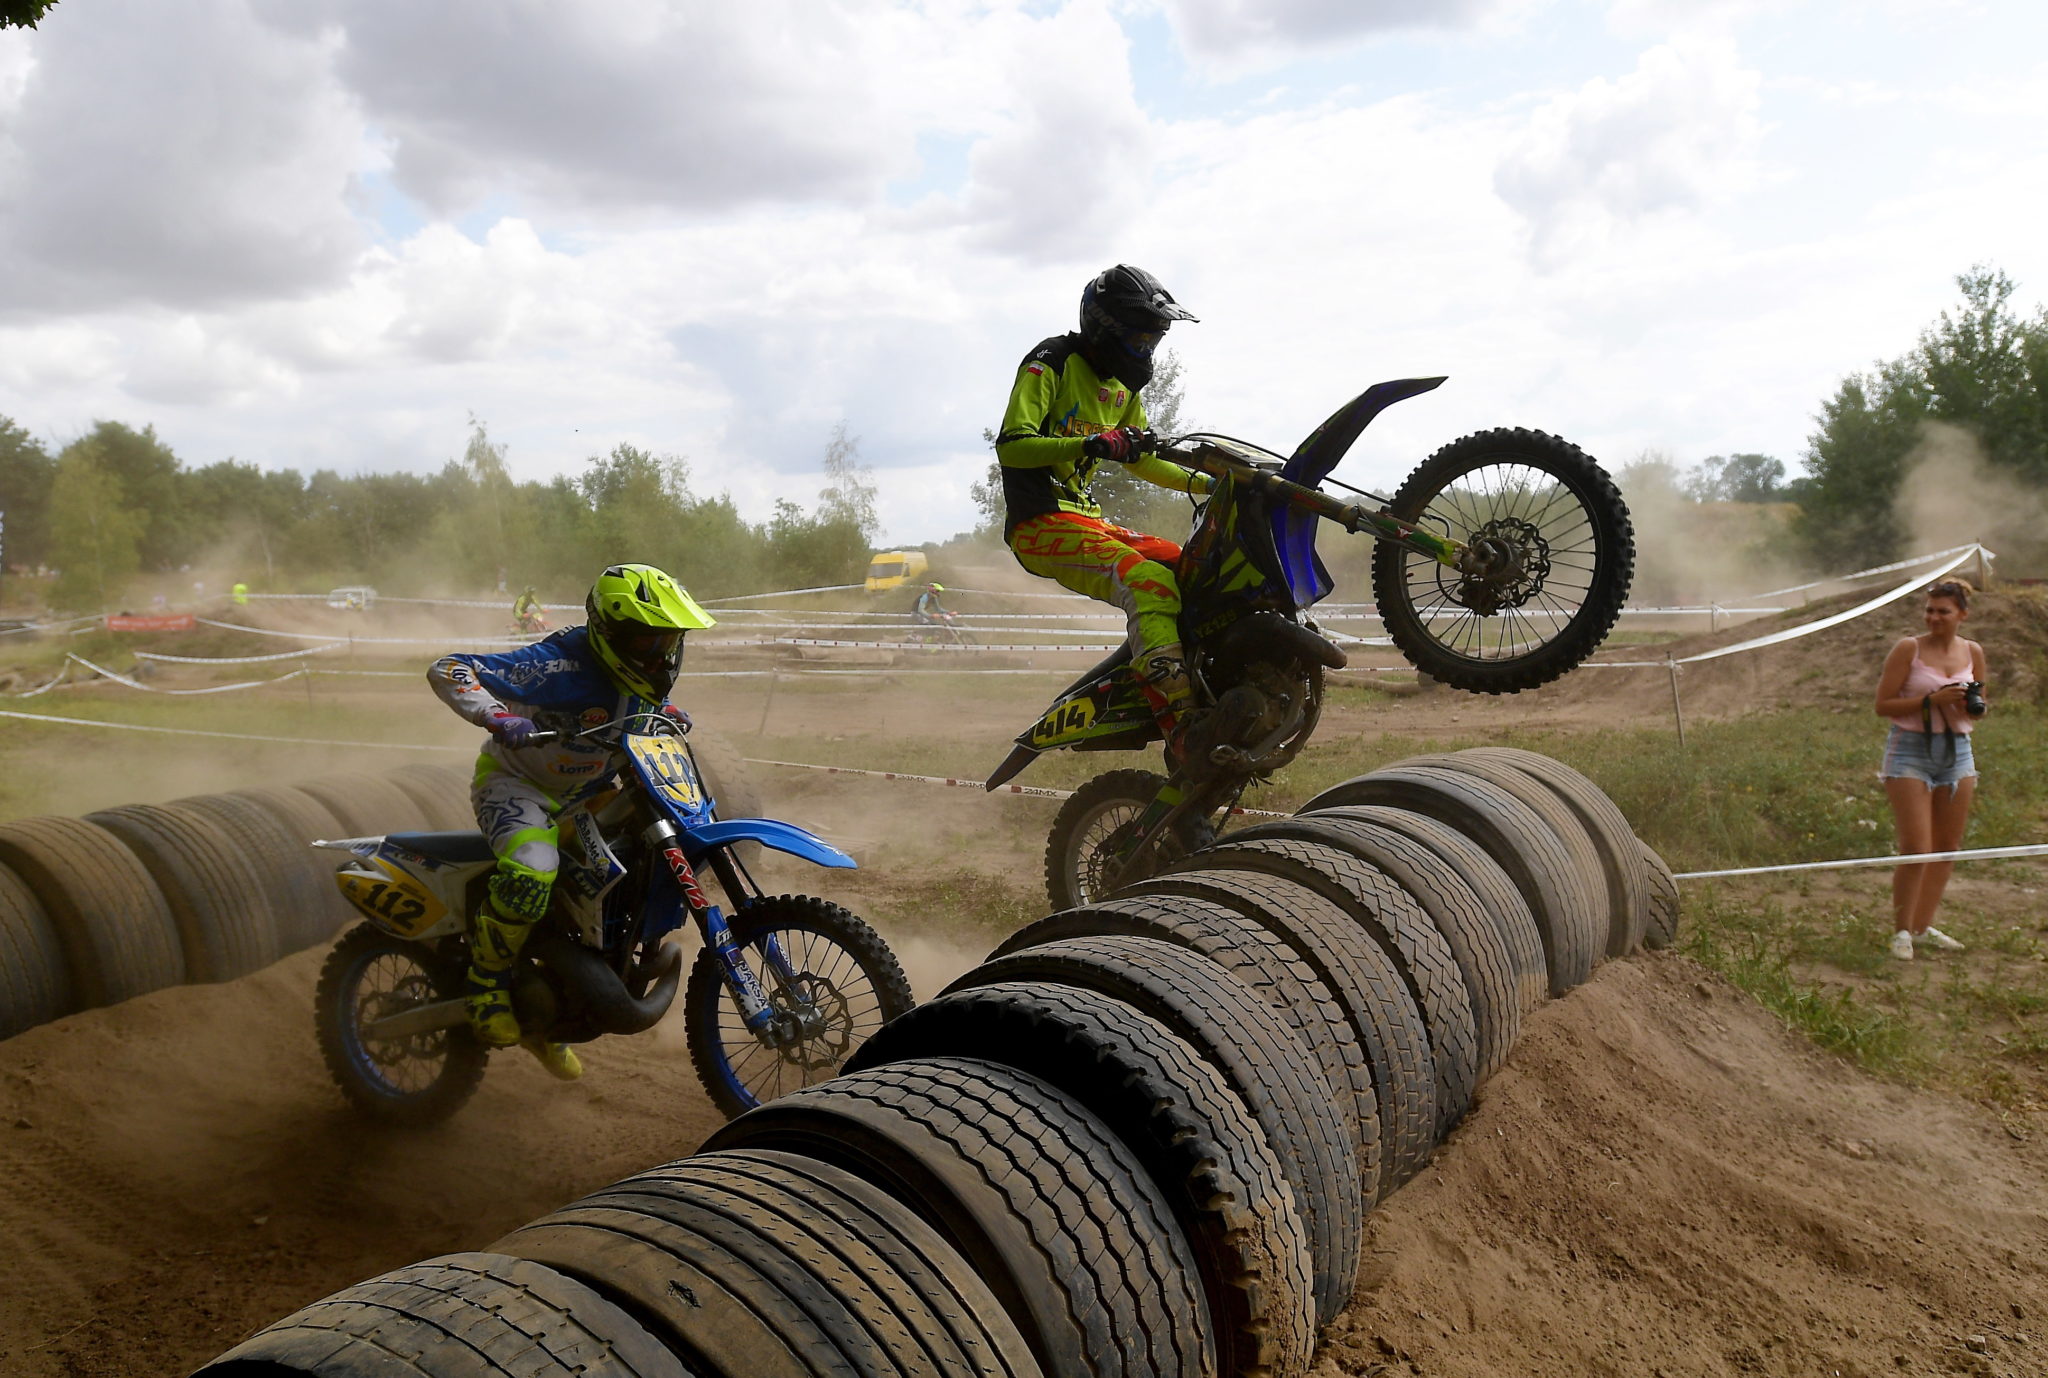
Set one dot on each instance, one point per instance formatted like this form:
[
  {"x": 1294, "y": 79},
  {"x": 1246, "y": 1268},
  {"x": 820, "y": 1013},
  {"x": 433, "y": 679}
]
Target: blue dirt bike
[{"x": 784, "y": 986}]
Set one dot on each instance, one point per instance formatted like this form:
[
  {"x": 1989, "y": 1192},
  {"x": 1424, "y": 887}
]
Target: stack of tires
[
  {"x": 129, "y": 900},
  {"x": 1140, "y": 1139}
]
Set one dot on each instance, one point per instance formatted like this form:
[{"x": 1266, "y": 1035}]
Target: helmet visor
[{"x": 647, "y": 650}]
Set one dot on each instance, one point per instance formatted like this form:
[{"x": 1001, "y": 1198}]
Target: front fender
[{"x": 783, "y": 837}]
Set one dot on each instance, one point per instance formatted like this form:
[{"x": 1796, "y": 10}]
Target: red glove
[
  {"x": 1121, "y": 445},
  {"x": 676, "y": 716}
]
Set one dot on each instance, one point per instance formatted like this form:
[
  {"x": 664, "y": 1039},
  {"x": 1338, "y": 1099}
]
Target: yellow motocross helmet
[{"x": 637, "y": 619}]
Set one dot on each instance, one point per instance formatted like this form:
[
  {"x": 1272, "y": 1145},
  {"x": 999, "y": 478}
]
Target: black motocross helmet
[{"x": 1124, "y": 312}]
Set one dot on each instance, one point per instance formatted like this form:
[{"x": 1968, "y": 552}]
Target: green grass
[{"x": 1765, "y": 950}]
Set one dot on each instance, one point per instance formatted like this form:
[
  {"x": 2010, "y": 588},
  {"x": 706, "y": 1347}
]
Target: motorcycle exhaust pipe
[{"x": 610, "y": 1006}]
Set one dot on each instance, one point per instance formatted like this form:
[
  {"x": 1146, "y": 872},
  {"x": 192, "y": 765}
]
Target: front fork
[{"x": 756, "y": 1007}]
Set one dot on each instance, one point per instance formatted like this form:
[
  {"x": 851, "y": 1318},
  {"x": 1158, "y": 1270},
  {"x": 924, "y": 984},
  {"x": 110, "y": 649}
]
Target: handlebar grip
[{"x": 544, "y": 735}]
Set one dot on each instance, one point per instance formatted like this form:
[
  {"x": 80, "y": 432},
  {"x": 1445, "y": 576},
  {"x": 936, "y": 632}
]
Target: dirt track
[{"x": 1662, "y": 1180}]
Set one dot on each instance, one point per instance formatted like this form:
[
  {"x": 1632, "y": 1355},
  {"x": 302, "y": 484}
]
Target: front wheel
[
  {"x": 416, "y": 1080},
  {"x": 1093, "y": 829},
  {"x": 830, "y": 981},
  {"x": 1551, "y": 554}
]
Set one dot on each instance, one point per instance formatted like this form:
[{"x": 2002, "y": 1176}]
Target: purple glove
[
  {"x": 510, "y": 729},
  {"x": 676, "y": 716}
]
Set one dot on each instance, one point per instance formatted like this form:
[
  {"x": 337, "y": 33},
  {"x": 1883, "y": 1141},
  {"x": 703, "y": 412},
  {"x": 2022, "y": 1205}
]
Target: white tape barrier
[
  {"x": 341, "y": 641},
  {"x": 784, "y": 593},
  {"x": 1876, "y": 570},
  {"x": 62, "y": 674},
  {"x": 1911, "y": 859},
  {"x": 104, "y": 673},
  {"x": 1035, "y": 791},
  {"x": 1793, "y": 633},
  {"x": 235, "y": 660}
]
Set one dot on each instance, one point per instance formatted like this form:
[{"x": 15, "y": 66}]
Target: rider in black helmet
[{"x": 1075, "y": 404}]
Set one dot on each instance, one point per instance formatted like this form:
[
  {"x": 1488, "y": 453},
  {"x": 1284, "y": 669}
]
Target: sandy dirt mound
[{"x": 1662, "y": 1180}]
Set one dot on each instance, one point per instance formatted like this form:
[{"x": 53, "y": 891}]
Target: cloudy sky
[{"x": 325, "y": 233}]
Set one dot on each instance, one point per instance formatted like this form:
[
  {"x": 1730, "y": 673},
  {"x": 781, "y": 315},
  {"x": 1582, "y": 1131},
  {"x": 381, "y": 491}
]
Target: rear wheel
[
  {"x": 1091, "y": 831},
  {"x": 1553, "y": 553},
  {"x": 417, "y": 1080},
  {"x": 830, "y": 981}
]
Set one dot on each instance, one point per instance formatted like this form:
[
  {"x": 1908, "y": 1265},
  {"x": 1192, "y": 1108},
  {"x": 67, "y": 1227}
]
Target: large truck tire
[
  {"x": 1273, "y": 971},
  {"x": 1594, "y": 894},
  {"x": 1513, "y": 835},
  {"x": 214, "y": 891},
  {"x": 1040, "y": 1198},
  {"x": 306, "y": 906},
  {"x": 1260, "y": 1058},
  {"x": 35, "y": 981},
  {"x": 1369, "y": 991},
  {"x": 117, "y": 933},
  {"x": 1403, "y": 930},
  {"x": 1178, "y": 1116},
  {"x": 1614, "y": 842},
  {"x": 1453, "y": 909},
  {"x": 471, "y": 1315}
]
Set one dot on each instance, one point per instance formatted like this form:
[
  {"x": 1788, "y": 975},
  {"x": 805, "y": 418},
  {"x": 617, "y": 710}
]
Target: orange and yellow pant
[{"x": 1129, "y": 569}]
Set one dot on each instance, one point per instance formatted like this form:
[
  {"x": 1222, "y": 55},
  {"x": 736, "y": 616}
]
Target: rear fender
[{"x": 783, "y": 837}]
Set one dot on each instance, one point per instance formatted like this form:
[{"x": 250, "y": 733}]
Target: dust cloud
[
  {"x": 1689, "y": 554},
  {"x": 1951, "y": 495}
]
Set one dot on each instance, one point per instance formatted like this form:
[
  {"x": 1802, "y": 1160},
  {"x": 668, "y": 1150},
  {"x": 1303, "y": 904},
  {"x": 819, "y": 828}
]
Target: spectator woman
[{"x": 1932, "y": 690}]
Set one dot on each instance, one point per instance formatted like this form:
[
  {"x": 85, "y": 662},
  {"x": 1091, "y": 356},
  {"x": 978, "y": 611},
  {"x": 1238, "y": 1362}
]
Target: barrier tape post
[
  {"x": 767, "y": 702},
  {"x": 1676, "y": 712}
]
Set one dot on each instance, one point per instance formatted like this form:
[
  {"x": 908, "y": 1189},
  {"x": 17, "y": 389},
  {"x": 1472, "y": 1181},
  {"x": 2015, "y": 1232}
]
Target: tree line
[{"x": 117, "y": 503}]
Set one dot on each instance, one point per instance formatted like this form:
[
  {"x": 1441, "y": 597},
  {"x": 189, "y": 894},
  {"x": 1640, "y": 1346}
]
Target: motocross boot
[
  {"x": 487, "y": 990},
  {"x": 1163, "y": 682},
  {"x": 559, "y": 1058}
]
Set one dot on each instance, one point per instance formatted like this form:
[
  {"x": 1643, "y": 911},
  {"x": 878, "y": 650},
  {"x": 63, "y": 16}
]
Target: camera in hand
[{"x": 1973, "y": 698}]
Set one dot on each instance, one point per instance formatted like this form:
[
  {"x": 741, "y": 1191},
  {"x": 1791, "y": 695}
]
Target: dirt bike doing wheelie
[
  {"x": 784, "y": 987},
  {"x": 1502, "y": 562}
]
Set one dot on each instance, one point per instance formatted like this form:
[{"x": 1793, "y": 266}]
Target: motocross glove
[
  {"x": 510, "y": 729},
  {"x": 1122, "y": 445},
  {"x": 676, "y": 716}
]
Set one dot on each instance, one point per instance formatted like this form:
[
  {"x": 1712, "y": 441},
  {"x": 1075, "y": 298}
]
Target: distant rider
[
  {"x": 624, "y": 661},
  {"x": 526, "y": 611},
  {"x": 1073, "y": 406},
  {"x": 928, "y": 611}
]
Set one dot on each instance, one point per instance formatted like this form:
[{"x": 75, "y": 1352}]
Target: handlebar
[
  {"x": 645, "y": 724},
  {"x": 1205, "y": 455}
]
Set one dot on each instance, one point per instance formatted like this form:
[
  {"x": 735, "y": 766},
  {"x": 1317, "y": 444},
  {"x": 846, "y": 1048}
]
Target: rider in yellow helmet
[{"x": 624, "y": 660}]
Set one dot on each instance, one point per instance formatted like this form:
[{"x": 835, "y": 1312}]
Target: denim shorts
[{"x": 1924, "y": 756}]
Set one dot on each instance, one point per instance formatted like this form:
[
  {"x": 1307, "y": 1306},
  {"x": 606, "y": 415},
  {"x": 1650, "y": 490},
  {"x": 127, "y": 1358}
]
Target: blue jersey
[{"x": 557, "y": 682}]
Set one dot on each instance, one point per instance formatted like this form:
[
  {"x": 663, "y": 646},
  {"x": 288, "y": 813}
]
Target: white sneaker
[
  {"x": 1940, "y": 940},
  {"x": 1902, "y": 945}
]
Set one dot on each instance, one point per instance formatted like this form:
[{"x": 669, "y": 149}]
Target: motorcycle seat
[{"x": 452, "y": 847}]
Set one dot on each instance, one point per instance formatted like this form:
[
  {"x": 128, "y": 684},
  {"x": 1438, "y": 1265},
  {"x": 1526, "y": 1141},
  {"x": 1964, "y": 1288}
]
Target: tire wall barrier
[
  {"x": 129, "y": 900},
  {"x": 1141, "y": 1139}
]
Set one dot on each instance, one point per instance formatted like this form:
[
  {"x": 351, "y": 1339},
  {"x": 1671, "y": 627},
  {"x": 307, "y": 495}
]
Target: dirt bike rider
[
  {"x": 1073, "y": 406},
  {"x": 928, "y": 611},
  {"x": 623, "y": 661},
  {"x": 526, "y": 610}
]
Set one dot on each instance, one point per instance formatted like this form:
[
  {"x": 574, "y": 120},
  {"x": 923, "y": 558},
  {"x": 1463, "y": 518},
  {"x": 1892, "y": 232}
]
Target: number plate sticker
[
  {"x": 396, "y": 901},
  {"x": 665, "y": 766}
]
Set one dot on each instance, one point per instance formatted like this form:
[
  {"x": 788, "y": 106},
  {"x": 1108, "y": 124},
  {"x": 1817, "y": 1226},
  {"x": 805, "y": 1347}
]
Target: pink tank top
[{"x": 1922, "y": 679}]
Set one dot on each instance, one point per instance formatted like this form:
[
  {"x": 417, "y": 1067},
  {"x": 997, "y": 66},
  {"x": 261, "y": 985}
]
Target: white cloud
[
  {"x": 1677, "y": 134},
  {"x": 174, "y": 154},
  {"x": 1326, "y": 243},
  {"x": 1233, "y": 30}
]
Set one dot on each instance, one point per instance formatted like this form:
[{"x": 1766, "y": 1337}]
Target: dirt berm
[{"x": 1662, "y": 1180}]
